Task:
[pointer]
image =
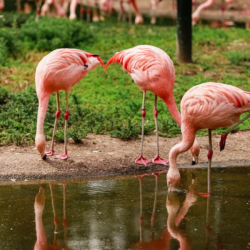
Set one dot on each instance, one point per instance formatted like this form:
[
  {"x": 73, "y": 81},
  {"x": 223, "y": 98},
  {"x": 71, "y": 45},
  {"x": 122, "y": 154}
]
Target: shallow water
[{"x": 105, "y": 214}]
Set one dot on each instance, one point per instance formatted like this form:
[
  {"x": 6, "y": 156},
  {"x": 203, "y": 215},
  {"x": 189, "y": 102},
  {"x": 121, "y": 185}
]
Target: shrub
[
  {"x": 238, "y": 57},
  {"x": 50, "y": 33},
  {"x": 14, "y": 19},
  {"x": 3, "y": 51},
  {"x": 4, "y": 94}
]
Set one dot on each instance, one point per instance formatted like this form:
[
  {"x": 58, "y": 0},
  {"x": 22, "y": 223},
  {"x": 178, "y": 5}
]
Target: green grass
[{"x": 108, "y": 103}]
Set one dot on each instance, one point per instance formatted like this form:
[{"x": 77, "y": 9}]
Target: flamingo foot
[
  {"x": 50, "y": 153},
  {"x": 159, "y": 160},
  {"x": 142, "y": 161},
  {"x": 62, "y": 157}
]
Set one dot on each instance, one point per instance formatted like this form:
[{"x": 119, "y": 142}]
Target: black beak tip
[
  {"x": 193, "y": 163},
  {"x": 44, "y": 157},
  {"x": 95, "y": 55},
  {"x": 86, "y": 66}
]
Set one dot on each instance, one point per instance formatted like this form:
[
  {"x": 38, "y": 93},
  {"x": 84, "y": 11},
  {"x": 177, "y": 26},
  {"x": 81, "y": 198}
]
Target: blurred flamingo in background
[
  {"x": 205, "y": 5},
  {"x": 1, "y": 5},
  {"x": 59, "y": 70},
  {"x": 206, "y": 106},
  {"x": 152, "y": 70},
  {"x": 58, "y": 7}
]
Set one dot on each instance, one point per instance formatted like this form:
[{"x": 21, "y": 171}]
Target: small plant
[{"x": 238, "y": 57}]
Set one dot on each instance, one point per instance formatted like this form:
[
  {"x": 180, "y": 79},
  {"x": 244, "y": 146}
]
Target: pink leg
[
  {"x": 66, "y": 117},
  {"x": 157, "y": 159},
  {"x": 73, "y": 6},
  {"x": 140, "y": 159},
  {"x": 58, "y": 112}
]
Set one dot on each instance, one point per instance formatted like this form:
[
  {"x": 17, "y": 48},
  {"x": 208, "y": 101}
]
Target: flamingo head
[
  {"x": 95, "y": 60},
  {"x": 195, "y": 151},
  {"x": 173, "y": 178},
  {"x": 195, "y": 18},
  {"x": 40, "y": 145}
]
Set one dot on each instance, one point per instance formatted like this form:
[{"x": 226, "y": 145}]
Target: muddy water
[{"x": 105, "y": 214}]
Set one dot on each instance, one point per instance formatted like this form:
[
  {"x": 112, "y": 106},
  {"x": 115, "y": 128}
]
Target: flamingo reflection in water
[
  {"x": 175, "y": 216},
  {"x": 42, "y": 243}
]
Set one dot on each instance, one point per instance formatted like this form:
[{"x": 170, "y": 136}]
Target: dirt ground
[{"x": 101, "y": 155}]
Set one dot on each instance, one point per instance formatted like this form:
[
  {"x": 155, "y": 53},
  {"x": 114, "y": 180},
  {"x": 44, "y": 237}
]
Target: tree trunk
[{"x": 184, "y": 30}]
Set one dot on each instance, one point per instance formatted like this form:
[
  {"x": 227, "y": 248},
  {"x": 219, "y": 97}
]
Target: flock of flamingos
[
  {"x": 107, "y": 6},
  {"x": 205, "y": 106}
]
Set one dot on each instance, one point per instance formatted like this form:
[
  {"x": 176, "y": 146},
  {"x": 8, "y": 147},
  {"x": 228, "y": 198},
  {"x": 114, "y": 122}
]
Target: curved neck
[
  {"x": 42, "y": 109},
  {"x": 173, "y": 154},
  {"x": 170, "y": 102}
]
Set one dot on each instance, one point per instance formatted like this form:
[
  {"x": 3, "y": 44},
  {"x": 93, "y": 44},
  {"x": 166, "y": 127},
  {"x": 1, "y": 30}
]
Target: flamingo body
[
  {"x": 152, "y": 70},
  {"x": 59, "y": 70},
  {"x": 214, "y": 105},
  {"x": 208, "y": 105}
]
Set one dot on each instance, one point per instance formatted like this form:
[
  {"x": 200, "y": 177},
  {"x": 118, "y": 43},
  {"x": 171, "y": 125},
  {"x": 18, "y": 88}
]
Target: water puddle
[{"x": 128, "y": 213}]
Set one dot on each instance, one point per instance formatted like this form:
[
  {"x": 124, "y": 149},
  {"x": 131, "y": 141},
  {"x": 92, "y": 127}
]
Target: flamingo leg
[
  {"x": 157, "y": 159},
  {"x": 140, "y": 159},
  {"x": 209, "y": 156},
  {"x": 66, "y": 117},
  {"x": 58, "y": 112}
]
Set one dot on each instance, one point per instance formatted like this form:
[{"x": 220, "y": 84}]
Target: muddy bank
[{"x": 101, "y": 155}]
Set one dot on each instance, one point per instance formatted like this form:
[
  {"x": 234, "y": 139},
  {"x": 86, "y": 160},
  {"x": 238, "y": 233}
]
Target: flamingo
[
  {"x": 1, "y": 5},
  {"x": 59, "y": 70},
  {"x": 152, "y": 70},
  {"x": 207, "y": 4},
  {"x": 59, "y": 8},
  {"x": 206, "y": 106}
]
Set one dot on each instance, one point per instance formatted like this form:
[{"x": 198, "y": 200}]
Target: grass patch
[{"x": 108, "y": 103}]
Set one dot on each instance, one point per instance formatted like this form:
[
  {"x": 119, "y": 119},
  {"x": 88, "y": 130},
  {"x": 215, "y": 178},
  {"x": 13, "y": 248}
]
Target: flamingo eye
[{"x": 86, "y": 66}]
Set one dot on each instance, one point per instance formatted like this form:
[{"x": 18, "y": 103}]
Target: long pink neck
[
  {"x": 170, "y": 102},
  {"x": 42, "y": 109},
  {"x": 205, "y": 5}
]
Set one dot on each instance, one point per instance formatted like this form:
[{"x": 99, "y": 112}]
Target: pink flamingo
[
  {"x": 152, "y": 70},
  {"x": 59, "y": 8},
  {"x": 208, "y": 105},
  {"x": 59, "y": 70},
  {"x": 196, "y": 14},
  {"x": 205, "y": 5}
]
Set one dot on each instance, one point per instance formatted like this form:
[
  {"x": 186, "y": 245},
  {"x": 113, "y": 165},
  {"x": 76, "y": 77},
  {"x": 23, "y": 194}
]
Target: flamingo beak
[
  {"x": 195, "y": 160},
  {"x": 100, "y": 60},
  {"x": 43, "y": 156}
]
